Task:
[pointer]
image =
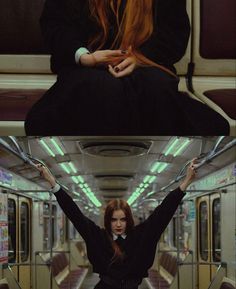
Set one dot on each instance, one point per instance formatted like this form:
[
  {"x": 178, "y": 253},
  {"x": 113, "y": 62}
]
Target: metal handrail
[{"x": 209, "y": 157}]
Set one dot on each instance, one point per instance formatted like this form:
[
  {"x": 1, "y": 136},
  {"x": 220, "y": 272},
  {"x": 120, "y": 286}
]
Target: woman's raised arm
[
  {"x": 157, "y": 222},
  {"x": 87, "y": 228}
]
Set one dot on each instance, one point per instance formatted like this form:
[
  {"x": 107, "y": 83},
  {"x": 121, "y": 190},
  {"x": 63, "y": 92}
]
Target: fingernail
[
  {"x": 123, "y": 51},
  {"x": 116, "y": 69}
]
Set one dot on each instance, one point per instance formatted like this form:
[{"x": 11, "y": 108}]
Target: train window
[
  {"x": 24, "y": 211},
  {"x": 203, "y": 231},
  {"x": 11, "y": 230},
  {"x": 47, "y": 232},
  {"x": 216, "y": 230}
]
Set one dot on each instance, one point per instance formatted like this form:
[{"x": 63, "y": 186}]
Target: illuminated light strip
[
  {"x": 74, "y": 179},
  {"x": 91, "y": 196},
  {"x": 47, "y": 148},
  {"x": 135, "y": 195},
  {"x": 65, "y": 168},
  {"x": 152, "y": 179},
  {"x": 162, "y": 167},
  {"x": 159, "y": 167},
  {"x": 169, "y": 149},
  {"x": 142, "y": 187},
  {"x": 81, "y": 179},
  {"x": 72, "y": 167},
  {"x": 155, "y": 167},
  {"x": 186, "y": 142},
  {"x": 57, "y": 147},
  {"x": 145, "y": 180}
]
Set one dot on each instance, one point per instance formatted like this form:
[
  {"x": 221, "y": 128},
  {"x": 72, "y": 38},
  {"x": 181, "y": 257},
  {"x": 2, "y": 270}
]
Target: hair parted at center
[
  {"x": 112, "y": 206},
  {"x": 135, "y": 27}
]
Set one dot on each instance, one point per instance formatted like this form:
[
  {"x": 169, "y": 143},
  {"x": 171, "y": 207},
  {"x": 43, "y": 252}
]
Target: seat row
[
  {"x": 4, "y": 284},
  {"x": 63, "y": 276},
  {"x": 163, "y": 277}
]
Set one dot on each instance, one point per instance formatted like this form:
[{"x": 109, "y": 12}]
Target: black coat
[
  {"x": 66, "y": 26},
  {"x": 90, "y": 101},
  {"x": 139, "y": 245}
]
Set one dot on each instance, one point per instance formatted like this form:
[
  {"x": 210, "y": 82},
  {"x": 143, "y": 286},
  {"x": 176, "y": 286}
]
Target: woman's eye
[{"x": 123, "y": 219}]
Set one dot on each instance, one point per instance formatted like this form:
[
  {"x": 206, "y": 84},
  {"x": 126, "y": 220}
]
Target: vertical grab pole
[
  {"x": 178, "y": 245},
  {"x": 50, "y": 236}
]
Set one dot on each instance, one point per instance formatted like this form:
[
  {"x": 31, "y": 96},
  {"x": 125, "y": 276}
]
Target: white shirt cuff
[
  {"x": 81, "y": 51},
  {"x": 56, "y": 188}
]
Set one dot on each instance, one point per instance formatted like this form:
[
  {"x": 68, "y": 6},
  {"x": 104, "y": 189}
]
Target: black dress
[
  {"x": 139, "y": 246},
  {"x": 90, "y": 101}
]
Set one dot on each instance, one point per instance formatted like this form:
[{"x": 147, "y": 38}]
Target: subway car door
[
  {"x": 19, "y": 238},
  {"x": 209, "y": 247}
]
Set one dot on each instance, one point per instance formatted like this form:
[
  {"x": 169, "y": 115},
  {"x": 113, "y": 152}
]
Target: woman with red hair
[
  {"x": 121, "y": 253},
  {"x": 116, "y": 76}
]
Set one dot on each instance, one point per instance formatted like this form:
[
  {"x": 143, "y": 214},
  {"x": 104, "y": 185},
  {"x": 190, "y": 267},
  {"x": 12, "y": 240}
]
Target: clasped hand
[{"x": 119, "y": 63}]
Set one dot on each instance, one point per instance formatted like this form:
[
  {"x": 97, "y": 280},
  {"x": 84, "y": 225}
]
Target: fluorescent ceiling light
[
  {"x": 158, "y": 167},
  {"x": 184, "y": 143},
  {"x": 176, "y": 146},
  {"x": 146, "y": 179},
  {"x": 170, "y": 147},
  {"x": 47, "y": 148},
  {"x": 57, "y": 147},
  {"x": 65, "y": 168},
  {"x": 74, "y": 170},
  {"x": 152, "y": 179},
  {"x": 74, "y": 179},
  {"x": 81, "y": 179}
]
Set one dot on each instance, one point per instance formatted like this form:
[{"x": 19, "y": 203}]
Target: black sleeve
[
  {"x": 157, "y": 222},
  {"x": 87, "y": 228},
  {"x": 63, "y": 29},
  {"x": 168, "y": 43}
]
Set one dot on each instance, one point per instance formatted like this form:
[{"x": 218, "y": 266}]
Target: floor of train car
[{"x": 92, "y": 279}]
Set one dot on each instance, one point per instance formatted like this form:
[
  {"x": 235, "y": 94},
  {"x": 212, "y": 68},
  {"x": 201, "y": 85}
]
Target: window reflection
[
  {"x": 11, "y": 230},
  {"x": 203, "y": 231},
  {"x": 24, "y": 212},
  {"x": 216, "y": 231}
]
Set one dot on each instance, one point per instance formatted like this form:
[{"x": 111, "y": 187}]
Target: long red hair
[
  {"x": 134, "y": 28},
  {"x": 111, "y": 207}
]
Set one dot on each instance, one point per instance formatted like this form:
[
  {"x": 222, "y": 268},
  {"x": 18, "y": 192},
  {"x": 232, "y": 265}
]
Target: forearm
[
  {"x": 83, "y": 225},
  {"x": 184, "y": 185}
]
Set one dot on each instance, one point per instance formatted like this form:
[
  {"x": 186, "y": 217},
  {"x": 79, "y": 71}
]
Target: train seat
[
  {"x": 214, "y": 53},
  {"x": 228, "y": 284},
  {"x": 4, "y": 284},
  {"x": 162, "y": 278},
  {"x": 64, "y": 277},
  {"x": 15, "y": 103}
]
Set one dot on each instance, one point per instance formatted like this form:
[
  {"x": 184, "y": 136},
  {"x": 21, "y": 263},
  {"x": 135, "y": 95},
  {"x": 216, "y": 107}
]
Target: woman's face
[{"x": 118, "y": 222}]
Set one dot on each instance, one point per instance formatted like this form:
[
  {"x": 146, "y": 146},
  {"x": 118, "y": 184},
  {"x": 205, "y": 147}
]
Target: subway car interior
[
  {"x": 40, "y": 248},
  {"x": 207, "y": 71}
]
